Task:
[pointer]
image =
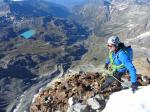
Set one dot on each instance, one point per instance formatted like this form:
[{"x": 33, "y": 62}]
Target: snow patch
[
  {"x": 126, "y": 101},
  {"x": 16, "y": 109},
  {"x": 143, "y": 35},
  {"x": 120, "y": 6},
  {"x": 131, "y": 26}
]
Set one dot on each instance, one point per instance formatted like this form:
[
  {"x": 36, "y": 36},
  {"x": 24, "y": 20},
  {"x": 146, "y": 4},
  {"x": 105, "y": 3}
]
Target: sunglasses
[{"x": 110, "y": 45}]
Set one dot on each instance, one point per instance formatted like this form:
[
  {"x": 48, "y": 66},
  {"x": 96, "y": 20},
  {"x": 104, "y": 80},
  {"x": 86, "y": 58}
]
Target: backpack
[{"x": 129, "y": 51}]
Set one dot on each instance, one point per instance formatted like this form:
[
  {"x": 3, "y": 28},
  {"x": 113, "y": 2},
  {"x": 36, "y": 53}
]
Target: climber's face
[{"x": 111, "y": 47}]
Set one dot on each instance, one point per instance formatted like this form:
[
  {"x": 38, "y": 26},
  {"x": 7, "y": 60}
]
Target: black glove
[
  {"x": 134, "y": 87},
  {"x": 106, "y": 66}
]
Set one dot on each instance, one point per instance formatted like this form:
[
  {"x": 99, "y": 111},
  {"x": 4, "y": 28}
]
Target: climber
[{"x": 119, "y": 62}]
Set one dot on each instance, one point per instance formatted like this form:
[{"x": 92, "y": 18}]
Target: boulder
[
  {"x": 93, "y": 103},
  {"x": 78, "y": 107}
]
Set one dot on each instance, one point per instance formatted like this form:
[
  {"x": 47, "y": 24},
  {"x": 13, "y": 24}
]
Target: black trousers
[{"x": 110, "y": 80}]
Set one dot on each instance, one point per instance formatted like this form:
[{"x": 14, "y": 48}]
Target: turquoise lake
[{"x": 28, "y": 34}]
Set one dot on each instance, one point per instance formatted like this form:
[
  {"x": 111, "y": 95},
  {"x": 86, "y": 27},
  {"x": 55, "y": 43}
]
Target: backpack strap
[{"x": 113, "y": 66}]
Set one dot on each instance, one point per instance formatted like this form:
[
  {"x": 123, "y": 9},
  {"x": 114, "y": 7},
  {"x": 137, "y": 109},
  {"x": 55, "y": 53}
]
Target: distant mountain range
[
  {"x": 41, "y": 8},
  {"x": 69, "y": 3},
  {"x": 66, "y": 3},
  {"x": 128, "y": 18}
]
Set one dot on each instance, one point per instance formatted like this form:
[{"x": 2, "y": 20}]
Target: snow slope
[{"x": 126, "y": 101}]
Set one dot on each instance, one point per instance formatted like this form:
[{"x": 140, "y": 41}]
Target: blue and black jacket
[{"x": 121, "y": 57}]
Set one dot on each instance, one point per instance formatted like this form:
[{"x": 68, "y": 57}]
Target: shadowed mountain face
[
  {"x": 68, "y": 3},
  {"x": 43, "y": 8},
  {"x": 20, "y": 16},
  {"x": 93, "y": 13},
  {"x": 54, "y": 35},
  {"x": 17, "y": 17}
]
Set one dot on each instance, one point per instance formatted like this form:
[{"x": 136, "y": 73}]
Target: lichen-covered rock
[{"x": 68, "y": 93}]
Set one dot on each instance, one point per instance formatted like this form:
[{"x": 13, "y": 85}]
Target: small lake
[{"x": 28, "y": 34}]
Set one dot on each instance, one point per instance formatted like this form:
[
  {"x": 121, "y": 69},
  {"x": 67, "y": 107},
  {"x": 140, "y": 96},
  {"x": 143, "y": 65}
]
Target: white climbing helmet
[{"x": 113, "y": 40}]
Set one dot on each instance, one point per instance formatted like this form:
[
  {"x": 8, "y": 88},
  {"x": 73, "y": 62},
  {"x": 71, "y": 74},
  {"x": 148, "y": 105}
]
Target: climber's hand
[
  {"x": 106, "y": 66},
  {"x": 134, "y": 87}
]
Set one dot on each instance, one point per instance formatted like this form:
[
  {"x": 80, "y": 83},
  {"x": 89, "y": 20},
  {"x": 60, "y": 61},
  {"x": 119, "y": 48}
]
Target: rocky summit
[
  {"x": 71, "y": 92},
  {"x": 74, "y": 93}
]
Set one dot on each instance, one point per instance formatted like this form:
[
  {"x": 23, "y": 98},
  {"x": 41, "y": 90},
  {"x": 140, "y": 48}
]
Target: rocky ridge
[
  {"x": 69, "y": 92},
  {"x": 75, "y": 93}
]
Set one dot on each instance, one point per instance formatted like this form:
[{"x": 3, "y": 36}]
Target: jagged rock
[
  {"x": 99, "y": 97},
  {"x": 93, "y": 103},
  {"x": 47, "y": 99},
  {"x": 78, "y": 107},
  {"x": 72, "y": 101},
  {"x": 73, "y": 93}
]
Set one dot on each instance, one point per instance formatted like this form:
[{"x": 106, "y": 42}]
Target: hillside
[{"x": 34, "y": 41}]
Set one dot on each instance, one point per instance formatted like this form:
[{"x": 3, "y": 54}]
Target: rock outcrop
[
  {"x": 143, "y": 66},
  {"x": 75, "y": 93}
]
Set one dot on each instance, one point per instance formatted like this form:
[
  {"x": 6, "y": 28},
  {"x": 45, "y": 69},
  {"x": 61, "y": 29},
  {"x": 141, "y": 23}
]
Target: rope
[{"x": 109, "y": 73}]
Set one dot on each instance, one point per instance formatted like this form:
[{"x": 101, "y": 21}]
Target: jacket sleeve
[
  {"x": 107, "y": 60},
  {"x": 129, "y": 65}
]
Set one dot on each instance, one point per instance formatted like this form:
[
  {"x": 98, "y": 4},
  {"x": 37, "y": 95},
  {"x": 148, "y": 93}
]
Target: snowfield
[{"x": 126, "y": 101}]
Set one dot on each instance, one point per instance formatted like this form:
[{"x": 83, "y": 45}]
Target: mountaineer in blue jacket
[{"x": 120, "y": 61}]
